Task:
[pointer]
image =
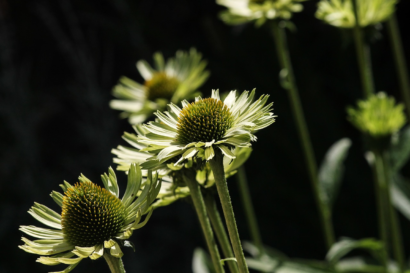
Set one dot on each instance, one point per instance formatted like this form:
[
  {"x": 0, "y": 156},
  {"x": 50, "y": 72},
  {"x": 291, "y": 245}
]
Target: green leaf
[
  {"x": 400, "y": 190},
  {"x": 400, "y": 149},
  {"x": 331, "y": 170},
  {"x": 356, "y": 265},
  {"x": 346, "y": 245},
  {"x": 201, "y": 263}
]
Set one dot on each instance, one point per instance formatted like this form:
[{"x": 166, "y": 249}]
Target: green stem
[
  {"x": 363, "y": 56},
  {"x": 220, "y": 231},
  {"x": 380, "y": 185},
  {"x": 400, "y": 60},
  {"x": 189, "y": 178},
  {"x": 115, "y": 264},
  {"x": 249, "y": 210},
  {"x": 223, "y": 192},
  {"x": 394, "y": 223},
  {"x": 284, "y": 60}
]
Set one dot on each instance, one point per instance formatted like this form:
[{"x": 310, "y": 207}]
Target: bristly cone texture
[
  {"x": 90, "y": 215},
  {"x": 161, "y": 86},
  {"x": 203, "y": 121}
]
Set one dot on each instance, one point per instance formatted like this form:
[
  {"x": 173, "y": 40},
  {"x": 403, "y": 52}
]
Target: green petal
[
  {"x": 140, "y": 225},
  {"x": 45, "y": 249},
  {"x": 57, "y": 197},
  {"x": 116, "y": 251},
  {"x": 110, "y": 182},
  {"x": 83, "y": 252},
  {"x": 109, "y": 243},
  {"x": 45, "y": 215},
  {"x": 42, "y": 233},
  {"x": 68, "y": 269},
  {"x": 133, "y": 185},
  {"x": 53, "y": 260},
  {"x": 145, "y": 69},
  {"x": 98, "y": 252},
  {"x": 226, "y": 151},
  {"x": 209, "y": 153},
  {"x": 70, "y": 260}
]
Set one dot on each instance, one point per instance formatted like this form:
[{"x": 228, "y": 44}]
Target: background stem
[
  {"x": 382, "y": 205},
  {"x": 284, "y": 60},
  {"x": 394, "y": 223},
  {"x": 115, "y": 264},
  {"x": 249, "y": 210},
  {"x": 363, "y": 56},
  {"x": 400, "y": 60},
  {"x": 223, "y": 192},
  {"x": 220, "y": 231},
  {"x": 189, "y": 178}
]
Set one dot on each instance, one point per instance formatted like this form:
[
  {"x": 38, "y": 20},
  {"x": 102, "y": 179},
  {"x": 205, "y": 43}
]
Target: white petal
[
  {"x": 215, "y": 94},
  {"x": 230, "y": 99},
  {"x": 145, "y": 70}
]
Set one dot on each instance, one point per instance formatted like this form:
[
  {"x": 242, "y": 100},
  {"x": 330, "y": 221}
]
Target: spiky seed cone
[
  {"x": 161, "y": 86},
  {"x": 203, "y": 121},
  {"x": 90, "y": 215}
]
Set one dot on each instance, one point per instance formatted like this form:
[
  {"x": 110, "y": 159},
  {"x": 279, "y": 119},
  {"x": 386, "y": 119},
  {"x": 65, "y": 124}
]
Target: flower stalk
[
  {"x": 217, "y": 168},
  {"x": 384, "y": 176},
  {"x": 199, "y": 204},
  {"x": 363, "y": 55},
  {"x": 249, "y": 210},
  {"x": 284, "y": 60},
  {"x": 115, "y": 264},
  {"x": 400, "y": 60},
  {"x": 220, "y": 231}
]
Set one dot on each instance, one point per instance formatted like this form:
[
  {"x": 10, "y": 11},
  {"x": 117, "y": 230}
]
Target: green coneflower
[
  {"x": 195, "y": 130},
  {"x": 242, "y": 11},
  {"x": 172, "y": 81},
  {"x": 340, "y": 13},
  {"x": 94, "y": 222},
  {"x": 378, "y": 116}
]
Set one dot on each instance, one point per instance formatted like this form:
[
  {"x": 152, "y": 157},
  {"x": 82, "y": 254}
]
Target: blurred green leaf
[
  {"x": 275, "y": 261},
  {"x": 346, "y": 245},
  {"x": 201, "y": 263},
  {"x": 400, "y": 149},
  {"x": 400, "y": 191},
  {"x": 331, "y": 170},
  {"x": 357, "y": 265}
]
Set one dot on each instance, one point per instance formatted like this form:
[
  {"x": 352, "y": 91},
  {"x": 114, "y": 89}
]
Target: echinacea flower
[
  {"x": 170, "y": 81},
  {"x": 377, "y": 116},
  {"x": 94, "y": 221},
  {"x": 242, "y": 11},
  {"x": 340, "y": 13},
  {"x": 194, "y": 131}
]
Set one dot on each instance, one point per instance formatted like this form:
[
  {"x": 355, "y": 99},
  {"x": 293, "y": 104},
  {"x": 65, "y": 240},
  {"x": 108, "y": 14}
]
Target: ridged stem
[
  {"x": 199, "y": 204},
  {"x": 115, "y": 264},
  {"x": 284, "y": 60},
  {"x": 381, "y": 204},
  {"x": 223, "y": 192},
  {"x": 220, "y": 231},
  {"x": 363, "y": 56},
  {"x": 400, "y": 60},
  {"x": 248, "y": 207}
]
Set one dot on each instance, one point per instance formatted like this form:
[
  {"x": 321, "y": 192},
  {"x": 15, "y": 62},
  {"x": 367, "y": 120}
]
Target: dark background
[{"x": 59, "y": 60}]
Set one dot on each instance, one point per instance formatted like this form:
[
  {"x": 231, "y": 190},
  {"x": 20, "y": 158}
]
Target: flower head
[
  {"x": 339, "y": 13},
  {"x": 192, "y": 133},
  {"x": 172, "y": 81},
  {"x": 93, "y": 219},
  {"x": 242, "y": 11},
  {"x": 378, "y": 116}
]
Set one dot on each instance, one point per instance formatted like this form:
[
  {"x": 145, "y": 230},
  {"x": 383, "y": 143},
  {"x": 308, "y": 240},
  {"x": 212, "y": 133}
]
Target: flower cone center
[
  {"x": 203, "y": 121},
  {"x": 161, "y": 86},
  {"x": 91, "y": 215}
]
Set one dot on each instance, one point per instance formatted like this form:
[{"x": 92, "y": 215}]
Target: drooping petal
[{"x": 42, "y": 233}]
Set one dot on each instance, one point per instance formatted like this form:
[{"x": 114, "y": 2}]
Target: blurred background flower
[
  {"x": 170, "y": 81},
  {"x": 339, "y": 13}
]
